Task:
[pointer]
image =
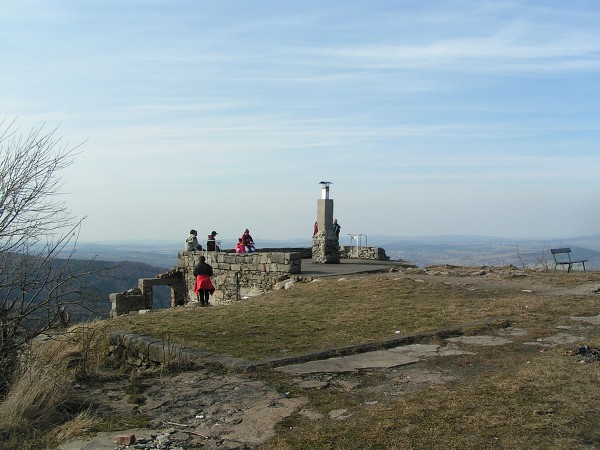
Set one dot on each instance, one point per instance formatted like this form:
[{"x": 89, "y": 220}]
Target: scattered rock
[
  {"x": 133, "y": 291},
  {"x": 589, "y": 354},
  {"x": 125, "y": 439}
]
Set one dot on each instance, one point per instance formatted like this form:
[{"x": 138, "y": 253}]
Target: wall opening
[{"x": 161, "y": 296}]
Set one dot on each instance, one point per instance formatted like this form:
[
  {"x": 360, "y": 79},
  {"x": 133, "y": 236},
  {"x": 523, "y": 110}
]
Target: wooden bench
[{"x": 560, "y": 260}]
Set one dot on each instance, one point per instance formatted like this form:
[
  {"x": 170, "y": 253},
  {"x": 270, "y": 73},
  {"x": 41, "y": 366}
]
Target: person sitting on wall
[
  {"x": 248, "y": 241},
  {"x": 240, "y": 247},
  {"x": 211, "y": 243},
  {"x": 204, "y": 287},
  {"x": 191, "y": 243}
]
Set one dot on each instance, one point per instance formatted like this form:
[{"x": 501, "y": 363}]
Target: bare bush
[
  {"x": 542, "y": 259},
  {"x": 37, "y": 240}
]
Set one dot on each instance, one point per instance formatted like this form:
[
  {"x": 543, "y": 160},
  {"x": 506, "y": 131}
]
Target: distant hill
[
  {"x": 485, "y": 251},
  {"x": 112, "y": 277}
]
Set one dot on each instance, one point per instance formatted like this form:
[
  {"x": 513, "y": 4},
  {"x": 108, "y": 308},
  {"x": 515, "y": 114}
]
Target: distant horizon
[{"x": 373, "y": 237}]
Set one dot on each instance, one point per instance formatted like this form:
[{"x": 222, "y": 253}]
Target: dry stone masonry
[
  {"x": 239, "y": 275},
  {"x": 236, "y": 276}
]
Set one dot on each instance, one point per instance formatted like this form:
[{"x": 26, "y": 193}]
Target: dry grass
[
  {"x": 517, "y": 401},
  {"x": 335, "y": 313},
  {"x": 41, "y": 408},
  {"x": 510, "y": 397},
  {"x": 42, "y": 387},
  {"x": 507, "y": 397}
]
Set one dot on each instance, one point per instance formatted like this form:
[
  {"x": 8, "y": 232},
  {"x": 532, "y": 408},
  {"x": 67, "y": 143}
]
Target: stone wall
[
  {"x": 239, "y": 275},
  {"x": 371, "y": 253},
  {"x": 235, "y": 275},
  {"x": 325, "y": 249},
  {"x": 125, "y": 303},
  {"x": 305, "y": 252}
]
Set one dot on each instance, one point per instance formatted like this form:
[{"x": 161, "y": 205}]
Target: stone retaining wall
[
  {"x": 239, "y": 275},
  {"x": 370, "y": 253},
  {"x": 235, "y": 275},
  {"x": 126, "y": 303}
]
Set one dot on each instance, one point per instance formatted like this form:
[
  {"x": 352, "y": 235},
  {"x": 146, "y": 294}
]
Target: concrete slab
[
  {"x": 371, "y": 360},
  {"x": 511, "y": 331},
  {"x": 594, "y": 320},
  {"x": 381, "y": 359},
  {"x": 429, "y": 350},
  {"x": 556, "y": 340},
  {"x": 347, "y": 267},
  {"x": 480, "y": 340}
]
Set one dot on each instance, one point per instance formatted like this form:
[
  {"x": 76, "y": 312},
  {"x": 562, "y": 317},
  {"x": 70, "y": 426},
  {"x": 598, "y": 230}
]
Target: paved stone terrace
[{"x": 348, "y": 267}]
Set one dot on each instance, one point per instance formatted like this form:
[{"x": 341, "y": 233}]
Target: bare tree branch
[{"x": 38, "y": 237}]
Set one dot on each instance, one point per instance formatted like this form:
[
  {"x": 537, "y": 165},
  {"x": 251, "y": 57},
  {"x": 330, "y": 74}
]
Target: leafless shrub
[
  {"x": 542, "y": 259},
  {"x": 37, "y": 240}
]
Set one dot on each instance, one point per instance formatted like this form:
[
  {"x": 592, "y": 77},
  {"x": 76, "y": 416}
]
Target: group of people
[
  {"x": 204, "y": 271},
  {"x": 245, "y": 243}
]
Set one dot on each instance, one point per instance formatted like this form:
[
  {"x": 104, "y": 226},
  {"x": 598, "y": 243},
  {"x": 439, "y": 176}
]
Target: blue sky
[{"x": 429, "y": 117}]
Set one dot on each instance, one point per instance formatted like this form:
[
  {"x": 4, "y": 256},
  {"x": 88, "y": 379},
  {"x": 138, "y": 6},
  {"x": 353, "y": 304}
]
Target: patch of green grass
[{"x": 116, "y": 422}]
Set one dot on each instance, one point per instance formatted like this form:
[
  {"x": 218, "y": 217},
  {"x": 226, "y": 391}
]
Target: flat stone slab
[
  {"x": 555, "y": 340},
  {"x": 594, "y": 320},
  {"x": 428, "y": 350},
  {"x": 381, "y": 359},
  {"x": 480, "y": 340},
  {"x": 511, "y": 331},
  {"x": 371, "y": 360}
]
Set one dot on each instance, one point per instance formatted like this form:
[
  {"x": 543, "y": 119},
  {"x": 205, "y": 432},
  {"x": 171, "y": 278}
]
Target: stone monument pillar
[{"x": 325, "y": 246}]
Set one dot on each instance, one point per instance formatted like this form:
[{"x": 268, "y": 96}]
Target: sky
[{"x": 428, "y": 117}]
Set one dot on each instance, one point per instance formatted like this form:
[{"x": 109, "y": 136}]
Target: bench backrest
[{"x": 558, "y": 251}]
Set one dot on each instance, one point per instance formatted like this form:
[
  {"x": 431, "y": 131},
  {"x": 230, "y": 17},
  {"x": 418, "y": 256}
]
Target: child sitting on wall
[{"x": 240, "y": 247}]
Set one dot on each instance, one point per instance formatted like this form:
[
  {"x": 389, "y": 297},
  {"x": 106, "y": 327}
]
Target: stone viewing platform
[{"x": 238, "y": 276}]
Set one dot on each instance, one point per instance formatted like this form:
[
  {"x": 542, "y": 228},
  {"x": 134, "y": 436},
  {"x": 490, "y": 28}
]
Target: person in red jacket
[
  {"x": 248, "y": 241},
  {"x": 240, "y": 247},
  {"x": 204, "y": 287}
]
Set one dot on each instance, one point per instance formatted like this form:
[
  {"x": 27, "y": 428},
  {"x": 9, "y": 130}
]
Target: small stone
[{"x": 125, "y": 439}]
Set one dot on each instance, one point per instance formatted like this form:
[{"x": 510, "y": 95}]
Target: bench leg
[
  {"x": 583, "y": 263},
  {"x": 570, "y": 267}
]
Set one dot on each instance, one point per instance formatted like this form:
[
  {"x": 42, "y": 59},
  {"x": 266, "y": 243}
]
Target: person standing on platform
[{"x": 336, "y": 229}]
